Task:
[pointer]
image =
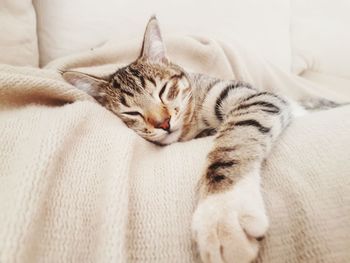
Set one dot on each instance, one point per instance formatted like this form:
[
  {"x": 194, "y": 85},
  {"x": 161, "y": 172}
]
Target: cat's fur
[{"x": 164, "y": 104}]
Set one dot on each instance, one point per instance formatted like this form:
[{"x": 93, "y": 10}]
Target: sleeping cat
[{"x": 164, "y": 104}]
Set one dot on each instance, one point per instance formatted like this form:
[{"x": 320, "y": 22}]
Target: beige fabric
[
  {"x": 77, "y": 186},
  {"x": 329, "y": 82},
  {"x": 18, "y": 39}
]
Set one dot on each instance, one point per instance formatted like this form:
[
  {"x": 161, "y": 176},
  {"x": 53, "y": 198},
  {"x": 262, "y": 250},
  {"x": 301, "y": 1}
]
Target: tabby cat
[{"x": 164, "y": 104}]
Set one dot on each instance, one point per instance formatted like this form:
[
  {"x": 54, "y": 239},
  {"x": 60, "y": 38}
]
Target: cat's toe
[
  {"x": 236, "y": 245},
  {"x": 255, "y": 224}
]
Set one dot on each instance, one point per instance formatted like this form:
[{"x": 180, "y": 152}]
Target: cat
[{"x": 165, "y": 104}]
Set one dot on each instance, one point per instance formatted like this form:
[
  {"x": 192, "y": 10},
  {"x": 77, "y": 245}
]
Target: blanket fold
[{"x": 76, "y": 185}]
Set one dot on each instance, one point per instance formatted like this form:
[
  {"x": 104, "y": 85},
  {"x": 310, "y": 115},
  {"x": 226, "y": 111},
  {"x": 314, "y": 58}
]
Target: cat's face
[
  {"x": 152, "y": 99},
  {"x": 151, "y": 95}
]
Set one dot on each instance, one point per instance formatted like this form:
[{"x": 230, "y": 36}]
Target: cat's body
[
  {"x": 164, "y": 104},
  {"x": 214, "y": 98}
]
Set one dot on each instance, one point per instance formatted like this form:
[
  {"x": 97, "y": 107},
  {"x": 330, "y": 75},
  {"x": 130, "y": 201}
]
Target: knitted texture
[{"x": 76, "y": 185}]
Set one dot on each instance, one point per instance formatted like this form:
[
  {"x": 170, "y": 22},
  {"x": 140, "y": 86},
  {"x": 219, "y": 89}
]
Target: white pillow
[
  {"x": 321, "y": 36},
  {"x": 18, "y": 39},
  {"x": 67, "y": 26}
]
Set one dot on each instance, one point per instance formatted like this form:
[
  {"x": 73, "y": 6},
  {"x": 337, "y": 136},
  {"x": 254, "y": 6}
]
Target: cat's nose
[{"x": 165, "y": 124}]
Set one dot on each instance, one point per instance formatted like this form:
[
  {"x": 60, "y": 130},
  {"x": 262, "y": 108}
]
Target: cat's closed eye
[
  {"x": 162, "y": 91},
  {"x": 133, "y": 113}
]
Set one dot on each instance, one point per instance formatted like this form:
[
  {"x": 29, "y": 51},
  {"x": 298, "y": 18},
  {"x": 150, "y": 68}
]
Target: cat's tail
[
  {"x": 317, "y": 104},
  {"x": 304, "y": 106}
]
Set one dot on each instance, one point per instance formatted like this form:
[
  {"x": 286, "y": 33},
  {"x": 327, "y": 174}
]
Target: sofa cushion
[
  {"x": 320, "y": 36},
  {"x": 18, "y": 38},
  {"x": 67, "y": 26}
]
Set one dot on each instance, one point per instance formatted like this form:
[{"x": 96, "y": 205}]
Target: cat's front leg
[
  {"x": 230, "y": 218},
  {"x": 227, "y": 225}
]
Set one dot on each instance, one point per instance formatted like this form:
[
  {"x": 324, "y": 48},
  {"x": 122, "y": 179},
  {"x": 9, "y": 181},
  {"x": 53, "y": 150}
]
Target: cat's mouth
[
  {"x": 170, "y": 131},
  {"x": 170, "y": 137}
]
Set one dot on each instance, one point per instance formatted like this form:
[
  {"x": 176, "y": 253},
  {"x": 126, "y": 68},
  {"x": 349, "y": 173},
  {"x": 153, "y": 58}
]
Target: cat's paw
[{"x": 227, "y": 226}]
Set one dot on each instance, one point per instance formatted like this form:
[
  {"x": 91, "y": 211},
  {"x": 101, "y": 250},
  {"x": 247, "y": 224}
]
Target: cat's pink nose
[{"x": 165, "y": 124}]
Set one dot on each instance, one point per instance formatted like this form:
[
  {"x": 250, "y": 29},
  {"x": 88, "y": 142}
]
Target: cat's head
[{"x": 151, "y": 95}]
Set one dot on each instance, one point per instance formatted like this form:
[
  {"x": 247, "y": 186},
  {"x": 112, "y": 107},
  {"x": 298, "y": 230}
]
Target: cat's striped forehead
[{"x": 140, "y": 76}]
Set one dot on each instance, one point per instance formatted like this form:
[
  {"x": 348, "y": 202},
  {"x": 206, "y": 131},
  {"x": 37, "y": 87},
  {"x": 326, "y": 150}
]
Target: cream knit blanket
[{"x": 77, "y": 186}]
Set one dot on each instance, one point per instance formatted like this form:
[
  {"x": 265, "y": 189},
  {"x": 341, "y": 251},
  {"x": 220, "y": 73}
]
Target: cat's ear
[
  {"x": 153, "y": 48},
  {"x": 92, "y": 85}
]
